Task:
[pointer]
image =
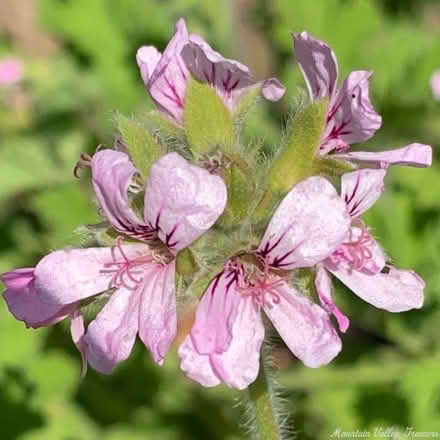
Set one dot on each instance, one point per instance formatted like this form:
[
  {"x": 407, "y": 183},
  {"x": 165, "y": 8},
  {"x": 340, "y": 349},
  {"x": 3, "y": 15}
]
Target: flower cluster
[{"x": 193, "y": 217}]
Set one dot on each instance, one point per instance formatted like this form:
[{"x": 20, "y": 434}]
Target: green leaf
[
  {"x": 141, "y": 146},
  {"x": 208, "y": 122},
  {"x": 295, "y": 162}
]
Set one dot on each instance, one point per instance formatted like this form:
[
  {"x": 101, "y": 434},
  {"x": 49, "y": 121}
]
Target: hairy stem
[{"x": 263, "y": 399}]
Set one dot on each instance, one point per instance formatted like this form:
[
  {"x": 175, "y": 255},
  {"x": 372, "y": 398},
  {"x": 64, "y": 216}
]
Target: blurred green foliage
[{"x": 388, "y": 374}]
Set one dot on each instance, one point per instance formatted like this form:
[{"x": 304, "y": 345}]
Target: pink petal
[
  {"x": 318, "y": 65},
  {"x": 111, "y": 335},
  {"x": 167, "y": 83},
  {"x": 157, "y": 312},
  {"x": 352, "y": 118},
  {"x": 216, "y": 314},
  {"x": 18, "y": 278},
  {"x": 273, "y": 90},
  {"x": 68, "y": 276},
  {"x": 324, "y": 287},
  {"x": 310, "y": 223},
  {"x": 112, "y": 174},
  {"x": 360, "y": 189},
  {"x": 230, "y": 78},
  {"x": 305, "y": 327},
  {"x": 147, "y": 58},
  {"x": 24, "y": 303},
  {"x": 238, "y": 366},
  {"x": 182, "y": 201},
  {"x": 77, "y": 331},
  {"x": 396, "y": 291},
  {"x": 197, "y": 366},
  {"x": 415, "y": 155}
]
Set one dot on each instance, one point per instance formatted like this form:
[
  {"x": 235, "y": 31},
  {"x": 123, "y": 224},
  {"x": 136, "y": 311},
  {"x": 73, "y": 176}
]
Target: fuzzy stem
[{"x": 262, "y": 396}]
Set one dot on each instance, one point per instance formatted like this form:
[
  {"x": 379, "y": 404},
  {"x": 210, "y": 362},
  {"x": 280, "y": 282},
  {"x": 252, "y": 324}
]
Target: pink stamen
[
  {"x": 124, "y": 269},
  {"x": 262, "y": 287},
  {"x": 357, "y": 252}
]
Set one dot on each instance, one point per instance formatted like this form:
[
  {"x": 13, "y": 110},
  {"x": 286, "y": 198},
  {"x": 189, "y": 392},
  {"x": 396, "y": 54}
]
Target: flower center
[
  {"x": 124, "y": 269},
  {"x": 260, "y": 285},
  {"x": 356, "y": 251}
]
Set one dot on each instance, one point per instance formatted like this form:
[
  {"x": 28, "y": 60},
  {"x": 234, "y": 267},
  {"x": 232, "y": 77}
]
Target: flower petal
[
  {"x": 24, "y": 303},
  {"x": 147, "y": 58},
  {"x": 351, "y": 117},
  {"x": 230, "y": 78},
  {"x": 182, "y": 201},
  {"x": 272, "y": 89},
  {"x": 360, "y": 189},
  {"x": 323, "y": 285},
  {"x": 197, "y": 366},
  {"x": 310, "y": 223},
  {"x": 111, "y": 335},
  {"x": 112, "y": 174},
  {"x": 216, "y": 314},
  {"x": 305, "y": 327},
  {"x": 318, "y": 65},
  {"x": 414, "y": 155},
  {"x": 157, "y": 312},
  {"x": 77, "y": 331},
  {"x": 68, "y": 276},
  {"x": 167, "y": 83},
  {"x": 238, "y": 366},
  {"x": 396, "y": 291}
]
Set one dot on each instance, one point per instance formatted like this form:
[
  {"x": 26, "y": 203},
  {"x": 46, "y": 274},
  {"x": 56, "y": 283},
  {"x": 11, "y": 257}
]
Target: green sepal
[
  {"x": 141, "y": 146},
  {"x": 208, "y": 122},
  {"x": 328, "y": 167},
  {"x": 304, "y": 280},
  {"x": 265, "y": 209},
  {"x": 295, "y": 162},
  {"x": 202, "y": 281},
  {"x": 246, "y": 103},
  {"x": 241, "y": 189},
  {"x": 186, "y": 264},
  {"x": 156, "y": 120}
]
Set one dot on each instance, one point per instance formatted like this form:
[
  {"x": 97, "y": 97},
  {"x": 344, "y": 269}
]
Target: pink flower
[
  {"x": 351, "y": 117},
  {"x": 182, "y": 201},
  {"x": 359, "y": 261},
  {"x": 11, "y": 71},
  {"x": 435, "y": 84},
  {"x": 224, "y": 343},
  {"x": 166, "y": 75}
]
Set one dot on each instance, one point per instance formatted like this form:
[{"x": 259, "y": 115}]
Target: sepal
[
  {"x": 141, "y": 146},
  {"x": 208, "y": 122},
  {"x": 295, "y": 162}
]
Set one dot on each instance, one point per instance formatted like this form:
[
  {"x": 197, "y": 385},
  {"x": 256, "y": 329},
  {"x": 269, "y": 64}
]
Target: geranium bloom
[
  {"x": 359, "y": 261},
  {"x": 351, "y": 117},
  {"x": 166, "y": 75},
  {"x": 224, "y": 344},
  {"x": 182, "y": 201},
  {"x": 11, "y": 71},
  {"x": 435, "y": 84}
]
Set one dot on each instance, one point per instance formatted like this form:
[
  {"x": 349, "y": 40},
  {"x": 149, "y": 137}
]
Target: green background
[{"x": 80, "y": 67}]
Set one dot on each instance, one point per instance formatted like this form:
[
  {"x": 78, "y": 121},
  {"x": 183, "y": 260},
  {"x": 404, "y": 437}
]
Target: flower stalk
[{"x": 265, "y": 402}]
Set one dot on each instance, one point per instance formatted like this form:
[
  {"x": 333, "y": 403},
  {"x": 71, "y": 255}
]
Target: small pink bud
[{"x": 11, "y": 71}]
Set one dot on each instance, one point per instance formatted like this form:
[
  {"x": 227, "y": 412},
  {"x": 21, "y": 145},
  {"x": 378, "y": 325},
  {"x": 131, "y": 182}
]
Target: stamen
[
  {"x": 261, "y": 286},
  {"x": 356, "y": 251},
  {"x": 123, "y": 270},
  {"x": 85, "y": 161}
]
